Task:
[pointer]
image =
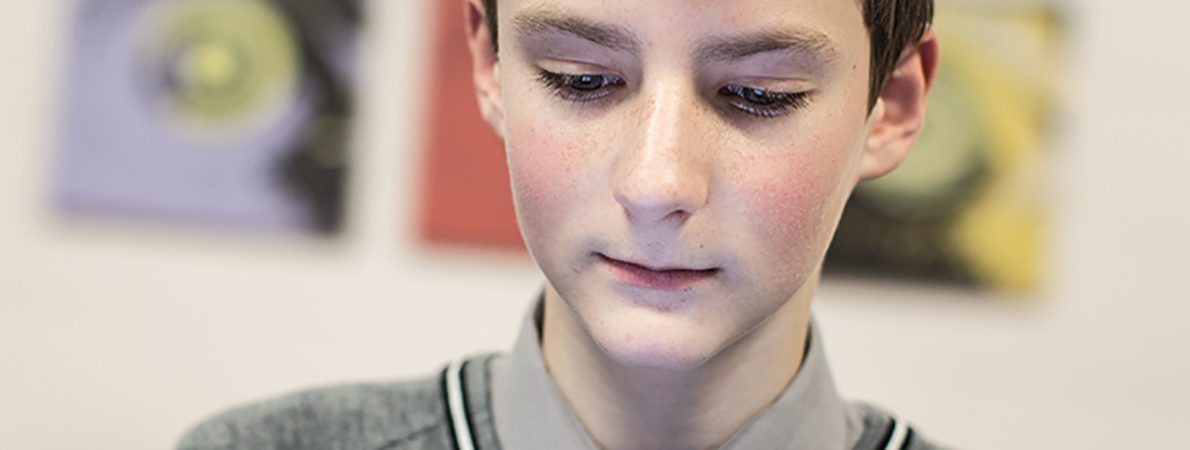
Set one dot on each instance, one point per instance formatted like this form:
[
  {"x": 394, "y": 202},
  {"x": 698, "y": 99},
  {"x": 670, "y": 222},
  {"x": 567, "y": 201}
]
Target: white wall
[{"x": 120, "y": 335}]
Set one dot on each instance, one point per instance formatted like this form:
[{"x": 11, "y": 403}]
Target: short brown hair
[{"x": 893, "y": 25}]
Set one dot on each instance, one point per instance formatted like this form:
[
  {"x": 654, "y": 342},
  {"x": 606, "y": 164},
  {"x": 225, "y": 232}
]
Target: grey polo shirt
[
  {"x": 460, "y": 403},
  {"x": 530, "y": 413}
]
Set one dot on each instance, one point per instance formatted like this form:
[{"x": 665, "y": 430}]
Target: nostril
[
  {"x": 660, "y": 190},
  {"x": 677, "y": 216},
  {"x": 663, "y": 205}
]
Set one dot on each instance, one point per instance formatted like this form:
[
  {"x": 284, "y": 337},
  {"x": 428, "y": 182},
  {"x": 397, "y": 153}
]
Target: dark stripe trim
[
  {"x": 450, "y": 427},
  {"x": 908, "y": 438},
  {"x": 888, "y": 433},
  {"x": 467, "y": 404}
]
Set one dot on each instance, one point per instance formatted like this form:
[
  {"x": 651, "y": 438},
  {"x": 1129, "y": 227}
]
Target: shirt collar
[{"x": 530, "y": 412}]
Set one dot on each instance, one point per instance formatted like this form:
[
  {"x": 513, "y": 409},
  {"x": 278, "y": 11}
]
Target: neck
[{"x": 702, "y": 407}]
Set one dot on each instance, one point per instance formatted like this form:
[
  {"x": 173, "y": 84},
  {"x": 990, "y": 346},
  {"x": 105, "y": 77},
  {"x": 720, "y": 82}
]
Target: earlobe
[
  {"x": 491, "y": 105},
  {"x": 485, "y": 65},
  {"x": 897, "y": 119}
]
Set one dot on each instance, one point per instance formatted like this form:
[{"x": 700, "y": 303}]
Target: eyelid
[{"x": 574, "y": 65}]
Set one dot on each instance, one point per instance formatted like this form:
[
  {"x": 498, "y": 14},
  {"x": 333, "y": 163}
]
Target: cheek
[
  {"x": 791, "y": 202},
  {"x": 542, "y": 168},
  {"x": 534, "y": 175}
]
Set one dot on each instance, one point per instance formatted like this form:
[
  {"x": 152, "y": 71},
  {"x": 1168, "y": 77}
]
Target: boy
[{"x": 678, "y": 168}]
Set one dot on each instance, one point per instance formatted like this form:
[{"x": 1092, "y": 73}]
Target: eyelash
[
  {"x": 564, "y": 85},
  {"x": 778, "y": 103}
]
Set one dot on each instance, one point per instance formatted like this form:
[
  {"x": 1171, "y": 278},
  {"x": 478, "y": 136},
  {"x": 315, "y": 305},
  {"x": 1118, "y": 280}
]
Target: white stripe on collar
[
  {"x": 900, "y": 434},
  {"x": 454, "y": 396}
]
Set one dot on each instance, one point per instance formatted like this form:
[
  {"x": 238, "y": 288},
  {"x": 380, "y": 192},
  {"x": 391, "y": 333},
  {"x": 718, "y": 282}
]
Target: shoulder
[
  {"x": 364, "y": 416},
  {"x": 880, "y": 431}
]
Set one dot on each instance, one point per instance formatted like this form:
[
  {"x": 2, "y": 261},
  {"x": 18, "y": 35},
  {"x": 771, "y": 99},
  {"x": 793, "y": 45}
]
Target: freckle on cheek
[
  {"x": 541, "y": 175},
  {"x": 532, "y": 177},
  {"x": 787, "y": 201}
]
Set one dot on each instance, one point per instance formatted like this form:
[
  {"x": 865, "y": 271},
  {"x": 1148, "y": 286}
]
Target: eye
[
  {"x": 580, "y": 87},
  {"x": 762, "y": 102}
]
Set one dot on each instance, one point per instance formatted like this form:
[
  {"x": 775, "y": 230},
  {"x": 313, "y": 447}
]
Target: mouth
[{"x": 667, "y": 278}]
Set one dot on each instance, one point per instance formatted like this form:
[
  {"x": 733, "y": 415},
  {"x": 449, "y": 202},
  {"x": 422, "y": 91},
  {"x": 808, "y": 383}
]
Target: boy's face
[{"x": 719, "y": 138}]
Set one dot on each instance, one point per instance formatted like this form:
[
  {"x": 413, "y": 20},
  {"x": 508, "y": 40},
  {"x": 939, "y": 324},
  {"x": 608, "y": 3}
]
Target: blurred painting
[
  {"x": 221, "y": 113},
  {"x": 467, "y": 199},
  {"x": 964, "y": 209}
]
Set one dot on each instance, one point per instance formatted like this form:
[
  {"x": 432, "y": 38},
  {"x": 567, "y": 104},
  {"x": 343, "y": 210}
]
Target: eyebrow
[
  {"x": 814, "y": 43},
  {"x": 548, "y": 20}
]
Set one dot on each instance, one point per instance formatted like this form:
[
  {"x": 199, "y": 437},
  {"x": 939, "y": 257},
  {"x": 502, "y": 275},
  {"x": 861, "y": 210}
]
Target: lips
[{"x": 661, "y": 279}]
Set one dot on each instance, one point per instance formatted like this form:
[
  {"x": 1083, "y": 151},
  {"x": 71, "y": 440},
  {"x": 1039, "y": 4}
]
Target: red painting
[{"x": 466, "y": 197}]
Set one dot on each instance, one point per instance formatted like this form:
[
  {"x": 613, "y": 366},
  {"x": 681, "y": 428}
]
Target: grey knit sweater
[{"x": 404, "y": 415}]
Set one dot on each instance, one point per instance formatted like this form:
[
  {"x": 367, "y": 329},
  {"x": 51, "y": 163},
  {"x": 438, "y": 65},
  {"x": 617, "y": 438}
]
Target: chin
[{"x": 643, "y": 338}]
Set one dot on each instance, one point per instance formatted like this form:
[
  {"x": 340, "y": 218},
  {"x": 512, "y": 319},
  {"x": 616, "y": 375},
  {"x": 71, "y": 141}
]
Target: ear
[
  {"x": 899, "y": 114},
  {"x": 485, "y": 65}
]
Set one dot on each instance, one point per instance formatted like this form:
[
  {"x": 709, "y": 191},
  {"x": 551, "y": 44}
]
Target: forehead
[{"x": 704, "y": 28}]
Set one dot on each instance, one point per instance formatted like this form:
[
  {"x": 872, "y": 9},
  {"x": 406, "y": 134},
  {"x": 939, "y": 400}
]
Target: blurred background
[{"x": 194, "y": 216}]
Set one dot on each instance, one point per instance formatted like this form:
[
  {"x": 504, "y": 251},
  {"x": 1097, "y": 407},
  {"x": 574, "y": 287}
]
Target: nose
[{"x": 662, "y": 174}]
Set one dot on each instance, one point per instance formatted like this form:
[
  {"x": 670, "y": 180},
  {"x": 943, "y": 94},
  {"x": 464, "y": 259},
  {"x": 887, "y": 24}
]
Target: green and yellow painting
[{"x": 967, "y": 206}]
